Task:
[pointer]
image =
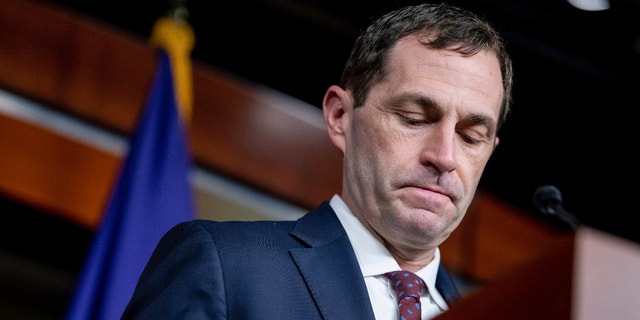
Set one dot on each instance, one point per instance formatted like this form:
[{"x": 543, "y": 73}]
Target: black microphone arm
[{"x": 548, "y": 200}]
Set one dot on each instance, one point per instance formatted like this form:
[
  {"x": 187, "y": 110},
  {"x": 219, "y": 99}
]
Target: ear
[
  {"x": 496, "y": 142},
  {"x": 334, "y": 105}
]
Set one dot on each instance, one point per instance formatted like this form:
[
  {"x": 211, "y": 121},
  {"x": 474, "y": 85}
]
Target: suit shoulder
[{"x": 234, "y": 227}]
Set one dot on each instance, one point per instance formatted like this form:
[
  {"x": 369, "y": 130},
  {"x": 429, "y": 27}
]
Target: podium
[{"x": 589, "y": 275}]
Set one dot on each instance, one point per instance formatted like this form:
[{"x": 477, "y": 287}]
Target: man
[{"x": 421, "y": 100}]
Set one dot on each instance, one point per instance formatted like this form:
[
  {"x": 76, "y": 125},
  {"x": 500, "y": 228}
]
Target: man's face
[{"x": 415, "y": 151}]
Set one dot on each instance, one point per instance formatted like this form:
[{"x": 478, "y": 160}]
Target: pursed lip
[{"x": 434, "y": 189}]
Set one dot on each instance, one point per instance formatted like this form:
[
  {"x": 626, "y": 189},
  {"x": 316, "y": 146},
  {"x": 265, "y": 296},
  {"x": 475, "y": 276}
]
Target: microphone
[{"x": 548, "y": 200}]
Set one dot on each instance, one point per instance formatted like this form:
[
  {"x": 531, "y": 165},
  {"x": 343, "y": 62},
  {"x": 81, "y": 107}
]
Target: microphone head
[{"x": 547, "y": 199}]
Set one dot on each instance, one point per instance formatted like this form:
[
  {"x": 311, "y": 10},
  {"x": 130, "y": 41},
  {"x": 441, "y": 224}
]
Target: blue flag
[{"x": 151, "y": 195}]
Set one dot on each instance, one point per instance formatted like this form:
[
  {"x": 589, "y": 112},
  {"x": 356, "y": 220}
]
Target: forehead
[{"x": 476, "y": 79}]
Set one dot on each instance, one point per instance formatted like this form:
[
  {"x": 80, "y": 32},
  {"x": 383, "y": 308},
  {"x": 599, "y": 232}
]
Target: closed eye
[
  {"x": 476, "y": 129},
  {"x": 413, "y": 119},
  {"x": 472, "y": 139}
]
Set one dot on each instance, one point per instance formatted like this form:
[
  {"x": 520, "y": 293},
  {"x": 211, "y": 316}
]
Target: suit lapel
[
  {"x": 329, "y": 266},
  {"x": 446, "y": 286}
]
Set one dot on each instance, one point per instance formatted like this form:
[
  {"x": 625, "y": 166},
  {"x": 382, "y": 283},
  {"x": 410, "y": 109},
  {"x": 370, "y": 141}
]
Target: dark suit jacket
[{"x": 291, "y": 270}]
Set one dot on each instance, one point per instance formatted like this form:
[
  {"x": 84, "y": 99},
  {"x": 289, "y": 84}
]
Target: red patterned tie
[{"x": 407, "y": 286}]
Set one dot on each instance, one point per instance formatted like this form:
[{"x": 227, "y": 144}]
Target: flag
[{"x": 152, "y": 193}]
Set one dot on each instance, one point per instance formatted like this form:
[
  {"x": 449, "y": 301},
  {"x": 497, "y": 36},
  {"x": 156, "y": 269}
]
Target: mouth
[
  {"x": 431, "y": 189},
  {"x": 429, "y": 194}
]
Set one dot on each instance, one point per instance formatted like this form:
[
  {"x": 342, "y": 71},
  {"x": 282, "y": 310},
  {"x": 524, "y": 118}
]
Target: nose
[{"x": 439, "y": 148}]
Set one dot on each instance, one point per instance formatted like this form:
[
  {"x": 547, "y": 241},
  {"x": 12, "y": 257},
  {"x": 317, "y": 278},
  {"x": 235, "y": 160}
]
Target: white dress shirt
[{"x": 375, "y": 260}]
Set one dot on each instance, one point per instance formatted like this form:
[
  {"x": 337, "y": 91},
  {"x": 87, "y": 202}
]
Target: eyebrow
[
  {"x": 401, "y": 99},
  {"x": 474, "y": 118},
  {"x": 426, "y": 102}
]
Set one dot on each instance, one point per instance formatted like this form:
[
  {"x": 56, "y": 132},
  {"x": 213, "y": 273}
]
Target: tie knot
[{"x": 406, "y": 284}]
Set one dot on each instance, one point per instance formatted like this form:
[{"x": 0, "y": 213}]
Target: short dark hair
[{"x": 441, "y": 26}]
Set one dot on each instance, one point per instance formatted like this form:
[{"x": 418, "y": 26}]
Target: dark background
[{"x": 576, "y": 83}]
